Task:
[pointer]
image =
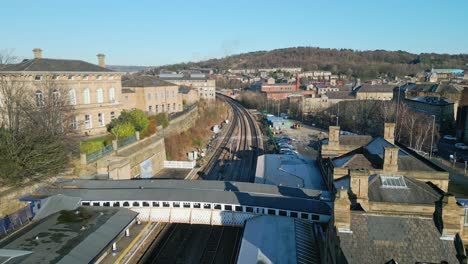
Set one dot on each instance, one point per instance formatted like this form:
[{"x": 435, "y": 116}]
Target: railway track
[{"x": 183, "y": 243}]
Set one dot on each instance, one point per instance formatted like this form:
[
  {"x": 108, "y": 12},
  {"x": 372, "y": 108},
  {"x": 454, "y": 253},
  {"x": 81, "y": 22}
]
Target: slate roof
[
  {"x": 146, "y": 81},
  {"x": 432, "y": 100},
  {"x": 340, "y": 95},
  {"x": 416, "y": 192},
  {"x": 353, "y": 161},
  {"x": 378, "y": 239},
  {"x": 54, "y": 65},
  {"x": 355, "y": 140},
  {"x": 381, "y": 88}
]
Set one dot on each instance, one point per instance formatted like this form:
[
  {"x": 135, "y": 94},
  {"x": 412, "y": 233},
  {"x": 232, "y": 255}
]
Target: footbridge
[{"x": 197, "y": 202}]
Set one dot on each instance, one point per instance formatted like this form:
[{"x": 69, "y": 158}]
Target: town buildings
[
  {"x": 199, "y": 81},
  {"x": 441, "y": 108},
  {"x": 152, "y": 95},
  {"x": 374, "y": 92},
  {"x": 92, "y": 90}
]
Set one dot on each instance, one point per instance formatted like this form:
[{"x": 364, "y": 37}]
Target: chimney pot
[
  {"x": 389, "y": 132},
  {"x": 390, "y": 159},
  {"x": 37, "y": 53},
  {"x": 101, "y": 60}
]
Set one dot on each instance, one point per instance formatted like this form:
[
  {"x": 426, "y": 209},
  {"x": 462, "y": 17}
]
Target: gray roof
[
  {"x": 54, "y": 65},
  {"x": 250, "y": 194},
  {"x": 432, "y": 100},
  {"x": 60, "y": 239},
  {"x": 56, "y": 203},
  {"x": 381, "y": 88},
  {"x": 276, "y": 239},
  {"x": 406, "y": 239},
  {"x": 146, "y": 81},
  {"x": 416, "y": 192},
  {"x": 355, "y": 140}
]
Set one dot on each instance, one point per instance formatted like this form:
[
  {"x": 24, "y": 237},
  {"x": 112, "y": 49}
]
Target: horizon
[{"x": 157, "y": 34}]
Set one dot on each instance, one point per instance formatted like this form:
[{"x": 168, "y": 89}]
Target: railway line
[{"x": 234, "y": 159}]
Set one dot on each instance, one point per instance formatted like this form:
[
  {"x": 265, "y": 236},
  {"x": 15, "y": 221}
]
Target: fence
[
  {"x": 179, "y": 164},
  {"x": 126, "y": 141},
  {"x": 99, "y": 153},
  {"x": 13, "y": 221}
]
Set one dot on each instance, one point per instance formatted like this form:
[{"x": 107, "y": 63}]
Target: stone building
[
  {"x": 92, "y": 90},
  {"x": 313, "y": 103},
  {"x": 189, "y": 95},
  {"x": 374, "y": 92},
  {"x": 441, "y": 108},
  {"x": 200, "y": 82},
  {"x": 341, "y": 154},
  {"x": 152, "y": 95}
]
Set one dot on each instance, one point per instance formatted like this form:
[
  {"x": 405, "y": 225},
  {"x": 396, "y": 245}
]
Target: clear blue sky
[{"x": 171, "y": 31}]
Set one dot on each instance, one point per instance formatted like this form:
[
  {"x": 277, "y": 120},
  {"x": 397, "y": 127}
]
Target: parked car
[
  {"x": 449, "y": 137},
  {"x": 461, "y": 146}
]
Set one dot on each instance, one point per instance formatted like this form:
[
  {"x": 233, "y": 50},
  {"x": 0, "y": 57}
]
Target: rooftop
[
  {"x": 380, "y": 88},
  {"x": 378, "y": 239},
  {"x": 54, "y": 65},
  {"x": 146, "y": 81},
  {"x": 77, "y": 236},
  {"x": 280, "y": 197},
  {"x": 269, "y": 239},
  {"x": 287, "y": 170},
  {"x": 432, "y": 100}
]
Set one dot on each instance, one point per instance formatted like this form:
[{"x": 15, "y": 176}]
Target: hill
[{"x": 363, "y": 64}]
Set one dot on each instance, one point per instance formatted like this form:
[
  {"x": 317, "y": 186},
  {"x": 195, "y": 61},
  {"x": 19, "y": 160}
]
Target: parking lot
[{"x": 304, "y": 139}]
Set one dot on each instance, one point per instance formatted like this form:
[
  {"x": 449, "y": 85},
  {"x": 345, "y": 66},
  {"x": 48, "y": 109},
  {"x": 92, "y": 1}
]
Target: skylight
[{"x": 392, "y": 181}]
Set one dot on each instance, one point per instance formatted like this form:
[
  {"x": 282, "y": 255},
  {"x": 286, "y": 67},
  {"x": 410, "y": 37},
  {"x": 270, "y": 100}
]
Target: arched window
[
  {"x": 112, "y": 95},
  {"x": 174, "y": 107},
  {"x": 39, "y": 98},
  {"x": 100, "y": 95},
  {"x": 168, "y": 107},
  {"x": 86, "y": 99},
  {"x": 162, "y": 107},
  {"x": 72, "y": 96},
  {"x": 56, "y": 96}
]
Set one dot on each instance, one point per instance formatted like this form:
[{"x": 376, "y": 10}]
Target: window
[
  {"x": 112, "y": 115},
  {"x": 136, "y": 204},
  {"x": 56, "y": 97},
  {"x": 156, "y": 109},
  {"x": 150, "y": 108},
  {"x": 466, "y": 216},
  {"x": 96, "y": 204},
  {"x": 74, "y": 123},
  {"x": 155, "y": 204},
  {"x": 85, "y": 77},
  {"x": 72, "y": 96},
  {"x": 238, "y": 208},
  {"x": 146, "y": 204},
  {"x": 304, "y": 216},
  {"x": 271, "y": 212},
  {"x": 162, "y": 107},
  {"x": 315, "y": 217},
  {"x": 86, "y": 99},
  {"x": 249, "y": 209},
  {"x": 206, "y": 206},
  {"x": 293, "y": 214},
  {"x": 186, "y": 205},
  {"x": 282, "y": 213},
  {"x": 101, "y": 120},
  {"x": 111, "y": 77},
  {"x": 217, "y": 207},
  {"x": 88, "y": 123},
  {"x": 71, "y": 78},
  {"x": 168, "y": 107},
  {"x": 392, "y": 181},
  {"x": 116, "y": 204},
  {"x": 39, "y": 98},
  {"x": 38, "y": 77},
  {"x": 112, "y": 95},
  {"x": 56, "y": 77},
  {"x": 228, "y": 207},
  {"x": 176, "y": 204},
  {"x": 99, "y": 77},
  {"x": 196, "y": 205},
  {"x": 173, "y": 107},
  {"x": 100, "y": 96}
]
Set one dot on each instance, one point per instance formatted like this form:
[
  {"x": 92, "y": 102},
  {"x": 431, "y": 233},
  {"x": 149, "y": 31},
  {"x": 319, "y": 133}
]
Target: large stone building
[
  {"x": 441, "y": 108},
  {"x": 92, "y": 90},
  {"x": 374, "y": 92},
  {"x": 152, "y": 95},
  {"x": 200, "y": 82}
]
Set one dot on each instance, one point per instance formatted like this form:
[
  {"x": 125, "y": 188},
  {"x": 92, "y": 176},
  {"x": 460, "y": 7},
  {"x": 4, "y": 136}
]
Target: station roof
[
  {"x": 288, "y": 170},
  {"x": 250, "y": 194},
  {"x": 69, "y": 237},
  {"x": 275, "y": 239}
]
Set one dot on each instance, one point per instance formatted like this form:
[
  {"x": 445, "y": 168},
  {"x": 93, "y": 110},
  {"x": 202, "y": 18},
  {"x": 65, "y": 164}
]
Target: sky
[{"x": 152, "y": 33}]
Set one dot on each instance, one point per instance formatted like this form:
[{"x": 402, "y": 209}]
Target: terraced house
[{"x": 93, "y": 91}]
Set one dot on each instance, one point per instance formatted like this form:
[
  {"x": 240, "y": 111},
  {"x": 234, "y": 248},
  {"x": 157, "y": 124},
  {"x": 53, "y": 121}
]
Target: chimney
[
  {"x": 334, "y": 136},
  {"x": 359, "y": 183},
  {"x": 389, "y": 132},
  {"x": 101, "y": 60},
  {"x": 342, "y": 211},
  {"x": 390, "y": 159},
  {"x": 452, "y": 216},
  {"x": 37, "y": 53}
]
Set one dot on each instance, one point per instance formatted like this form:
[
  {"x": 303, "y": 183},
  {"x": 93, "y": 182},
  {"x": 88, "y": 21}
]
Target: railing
[
  {"x": 99, "y": 153},
  {"x": 173, "y": 116},
  {"x": 126, "y": 141},
  {"x": 13, "y": 221},
  {"x": 179, "y": 164}
]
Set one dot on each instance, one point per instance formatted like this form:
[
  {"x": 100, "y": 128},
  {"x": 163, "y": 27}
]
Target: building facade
[
  {"x": 206, "y": 87},
  {"x": 93, "y": 91},
  {"x": 441, "y": 108},
  {"x": 151, "y": 95}
]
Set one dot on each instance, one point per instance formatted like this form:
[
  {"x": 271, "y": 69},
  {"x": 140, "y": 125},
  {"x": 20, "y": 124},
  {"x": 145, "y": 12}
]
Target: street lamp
[{"x": 432, "y": 139}]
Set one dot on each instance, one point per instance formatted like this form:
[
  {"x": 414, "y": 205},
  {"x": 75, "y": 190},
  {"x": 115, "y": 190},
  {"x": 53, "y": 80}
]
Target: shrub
[
  {"x": 90, "y": 146},
  {"x": 123, "y": 130},
  {"x": 136, "y": 118}
]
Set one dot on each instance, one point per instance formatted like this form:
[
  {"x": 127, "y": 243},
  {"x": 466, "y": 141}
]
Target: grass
[{"x": 90, "y": 145}]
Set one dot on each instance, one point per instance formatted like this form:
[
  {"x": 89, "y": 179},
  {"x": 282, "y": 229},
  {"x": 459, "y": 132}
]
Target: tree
[
  {"x": 35, "y": 135},
  {"x": 123, "y": 130},
  {"x": 136, "y": 118}
]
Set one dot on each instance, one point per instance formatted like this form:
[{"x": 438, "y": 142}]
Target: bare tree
[{"x": 7, "y": 57}]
